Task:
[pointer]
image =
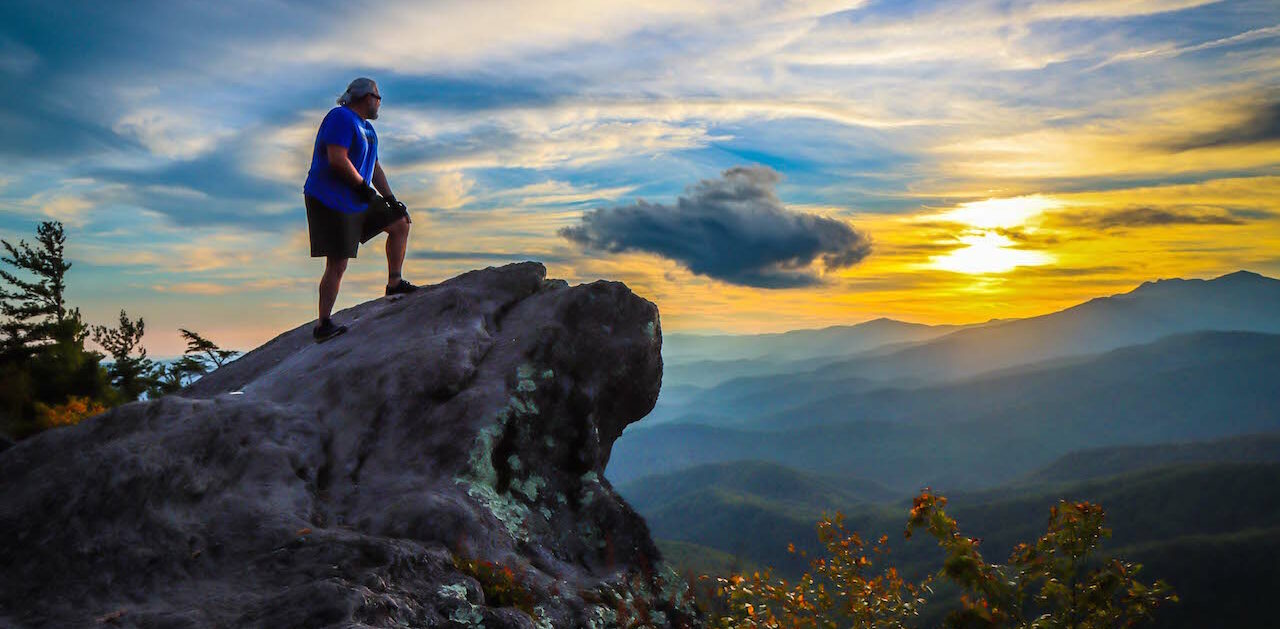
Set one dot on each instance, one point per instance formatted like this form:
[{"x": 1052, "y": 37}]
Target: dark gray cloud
[
  {"x": 734, "y": 229},
  {"x": 1026, "y": 237},
  {"x": 477, "y": 91},
  {"x": 1262, "y": 124},
  {"x": 1157, "y": 216}
]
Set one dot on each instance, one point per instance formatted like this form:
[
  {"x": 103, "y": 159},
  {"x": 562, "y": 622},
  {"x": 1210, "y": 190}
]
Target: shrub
[
  {"x": 841, "y": 591},
  {"x": 1073, "y": 590},
  {"x": 499, "y": 584},
  {"x": 68, "y": 413},
  {"x": 1051, "y": 583}
]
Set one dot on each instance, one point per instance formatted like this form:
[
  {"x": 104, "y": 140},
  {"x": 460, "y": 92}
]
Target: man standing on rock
[{"x": 343, "y": 208}]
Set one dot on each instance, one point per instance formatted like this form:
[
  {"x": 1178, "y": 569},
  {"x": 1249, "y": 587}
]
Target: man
[{"x": 343, "y": 208}]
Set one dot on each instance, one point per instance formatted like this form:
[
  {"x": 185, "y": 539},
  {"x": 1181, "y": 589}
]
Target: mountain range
[
  {"x": 1162, "y": 404},
  {"x": 983, "y": 431},
  {"x": 704, "y": 386}
]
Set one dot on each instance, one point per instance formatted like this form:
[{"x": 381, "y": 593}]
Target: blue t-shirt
[{"x": 347, "y": 129}]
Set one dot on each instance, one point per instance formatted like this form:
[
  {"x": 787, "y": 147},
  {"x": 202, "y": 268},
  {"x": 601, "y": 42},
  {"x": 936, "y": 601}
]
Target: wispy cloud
[
  {"x": 170, "y": 133},
  {"x": 557, "y": 193},
  {"x": 1173, "y": 50},
  {"x": 1157, "y": 216}
]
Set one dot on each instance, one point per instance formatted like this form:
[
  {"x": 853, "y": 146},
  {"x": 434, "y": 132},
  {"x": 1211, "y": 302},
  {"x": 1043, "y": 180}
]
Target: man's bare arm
[
  {"x": 380, "y": 181},
  {"x": 339, "y": 162}
]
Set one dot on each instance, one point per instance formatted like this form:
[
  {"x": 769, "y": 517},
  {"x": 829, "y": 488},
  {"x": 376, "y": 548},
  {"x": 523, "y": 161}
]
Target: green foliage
[
  {"x": 47, "y": 377},
  {"x": 205, "y": 352},
  {"x": 499, "y": 584},
  {"x": 172, "y": 377},
  {"x": 1071, "y": 592},
  {"x": 42, "y": 356},
  {"x": 130, "y": 374},
  {"x": 36, "y": 311},
  {"x": 1051, "y": 583},
  {"x": 201, "y": 357}
]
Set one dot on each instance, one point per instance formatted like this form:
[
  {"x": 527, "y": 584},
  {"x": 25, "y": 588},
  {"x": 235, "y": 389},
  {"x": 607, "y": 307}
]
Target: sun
[
  {"x": 981, "y": 225},
  {"x": 988, "y": 252},
  {"x": 994, "y": 213}
]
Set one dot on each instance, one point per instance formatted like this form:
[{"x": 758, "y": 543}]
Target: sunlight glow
[
  {"x": 994, "y": 213},
  {"x": 988, "y": 252}
]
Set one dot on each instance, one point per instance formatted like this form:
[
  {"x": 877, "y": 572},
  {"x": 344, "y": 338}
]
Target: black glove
[
  {"x": 399, "y": 208},
  {"x": 365, "y": 191}
]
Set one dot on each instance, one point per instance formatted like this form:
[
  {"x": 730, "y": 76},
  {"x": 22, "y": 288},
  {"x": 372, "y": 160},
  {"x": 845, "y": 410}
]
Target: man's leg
[
  {"x": 334, "y": 267},
  {"x": 397, "y": 243}
]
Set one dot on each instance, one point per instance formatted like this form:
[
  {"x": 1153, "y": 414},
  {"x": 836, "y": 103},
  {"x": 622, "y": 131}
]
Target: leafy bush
[
  {"x": 841, "y": 591},
  {"x": 1047, "y": 584},
  {"x": 75, "y": 409},
  {"x": 1073, "y": 590}
]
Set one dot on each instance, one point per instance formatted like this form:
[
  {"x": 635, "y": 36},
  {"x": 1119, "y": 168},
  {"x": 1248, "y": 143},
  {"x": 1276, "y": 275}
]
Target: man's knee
[
  {"x": 335, "y": 265},
  {"x": 398, "y": 227}
]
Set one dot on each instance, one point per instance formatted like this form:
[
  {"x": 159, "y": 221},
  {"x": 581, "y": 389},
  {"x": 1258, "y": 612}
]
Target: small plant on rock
[{"x": 499, "y": 583}]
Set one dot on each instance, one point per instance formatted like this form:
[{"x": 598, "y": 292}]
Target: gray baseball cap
[{"x": 357, "y": 89}]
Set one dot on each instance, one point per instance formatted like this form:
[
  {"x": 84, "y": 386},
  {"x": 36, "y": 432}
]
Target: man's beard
[{"x": 373, "y": 115}]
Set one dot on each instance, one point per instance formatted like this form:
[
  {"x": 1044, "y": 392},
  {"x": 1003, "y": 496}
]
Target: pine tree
[
  {"x": 174, "y": 376},
  {"x": 131, "y": 375},
  {"x": 204, "y": 351},
  {"x": 201, "y": 357},
  {"x": 36, "y": 314},
  {"x": 43, "y": 361}
]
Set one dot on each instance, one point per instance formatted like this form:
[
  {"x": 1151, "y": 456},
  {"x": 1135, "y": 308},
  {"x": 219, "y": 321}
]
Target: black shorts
[{"x": 337, "y": 234}]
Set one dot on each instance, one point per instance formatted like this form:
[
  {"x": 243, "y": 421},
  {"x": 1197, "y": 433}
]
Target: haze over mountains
[
  {"x": 979, "y": 433},
  {"x": 1240, "y": 301},
  {"x": 1149, "y": 402}
]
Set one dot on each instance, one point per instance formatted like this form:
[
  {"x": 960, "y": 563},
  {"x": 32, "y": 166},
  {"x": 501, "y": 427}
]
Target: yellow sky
[{"x": 1007, "y": 258}]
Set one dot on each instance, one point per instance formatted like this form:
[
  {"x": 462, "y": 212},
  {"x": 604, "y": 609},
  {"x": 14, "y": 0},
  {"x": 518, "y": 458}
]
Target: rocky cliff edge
[{"x": 440, "y": 464}]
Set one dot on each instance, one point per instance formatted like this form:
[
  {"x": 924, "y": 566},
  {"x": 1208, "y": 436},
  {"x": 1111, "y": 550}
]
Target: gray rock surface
[{"x": 358, "y": 482}]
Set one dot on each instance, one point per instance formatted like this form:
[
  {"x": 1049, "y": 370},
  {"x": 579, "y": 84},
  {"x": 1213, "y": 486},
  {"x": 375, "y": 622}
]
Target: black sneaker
[
  {"x": 401, "y": 288},
  {"x": 327, "y": 330}
]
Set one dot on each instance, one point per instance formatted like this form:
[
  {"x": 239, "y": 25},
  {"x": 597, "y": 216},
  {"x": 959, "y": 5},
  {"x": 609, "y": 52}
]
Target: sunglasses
[{"x": 375, "y": 96}]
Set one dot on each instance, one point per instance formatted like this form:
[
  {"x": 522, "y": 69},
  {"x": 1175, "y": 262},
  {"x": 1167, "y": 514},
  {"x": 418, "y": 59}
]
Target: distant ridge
[
  {"x": 705, "y": 361},
  {"x": 1103, "y": 462},
  {"x": 1240, "y": 301},
  {"x": 804, "y": 491},
  {"x": 1237, "y": 276},
  {"x": 797, "y": 345}
]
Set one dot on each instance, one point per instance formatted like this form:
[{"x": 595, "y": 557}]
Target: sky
[{"x": 748, "y": 166}]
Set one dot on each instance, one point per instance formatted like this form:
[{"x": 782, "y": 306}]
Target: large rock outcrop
[{"x": 362, "y": 482}]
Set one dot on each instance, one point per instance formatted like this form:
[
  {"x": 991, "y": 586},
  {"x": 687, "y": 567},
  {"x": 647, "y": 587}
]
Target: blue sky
[{"x": 173, "y": 138}]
